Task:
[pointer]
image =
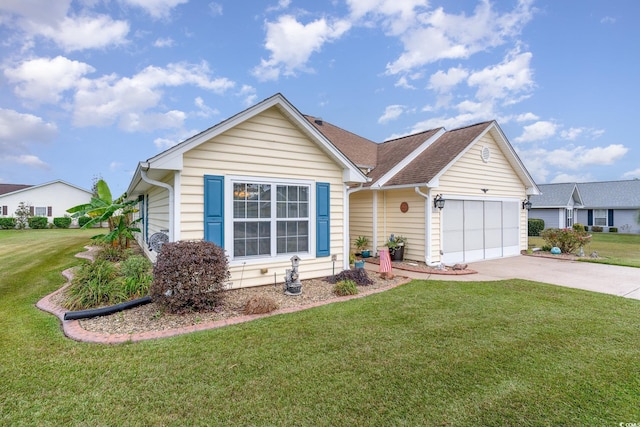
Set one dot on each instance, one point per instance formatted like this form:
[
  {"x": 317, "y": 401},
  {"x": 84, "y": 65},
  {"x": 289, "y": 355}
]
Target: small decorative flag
[{"x": 385, "y": 261}]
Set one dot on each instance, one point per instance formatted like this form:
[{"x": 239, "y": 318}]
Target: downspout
[
  {"x": 428, "y": 228},
  {"x": 345, "y": 234},
  {"x": 145, "y": 178}
]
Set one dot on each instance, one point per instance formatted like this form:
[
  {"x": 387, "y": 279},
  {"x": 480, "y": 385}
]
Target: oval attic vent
[{"x": 485, "y": 154}]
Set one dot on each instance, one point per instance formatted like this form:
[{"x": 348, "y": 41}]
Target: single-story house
[
  {"x": 50, "y": 200},
  {"x": 270, "y": 183},
  {"x": 606, "y": 204}
]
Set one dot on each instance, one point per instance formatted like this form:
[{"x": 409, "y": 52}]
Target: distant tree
[{"x": 23, "y": 213}]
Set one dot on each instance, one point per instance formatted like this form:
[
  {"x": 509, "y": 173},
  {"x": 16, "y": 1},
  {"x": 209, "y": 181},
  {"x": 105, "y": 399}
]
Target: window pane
[
  {"x": 252, "y": 209},
  {"x": 238, "y": 209},
  {"x": 282, "y": 210},
  {"x": 293, "y": 210},
  {"x": 292, "y": 193},
  {"x": 282, "y": 193},
  {"x": 304, "y": 194},
  {"x": 303, "y": 211}
]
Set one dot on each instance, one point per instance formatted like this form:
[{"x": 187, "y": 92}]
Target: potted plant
[
  {"x": 361, "y": 243},
  {"x": 396, "y": 245}
]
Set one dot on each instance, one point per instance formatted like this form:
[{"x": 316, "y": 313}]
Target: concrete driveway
[{"x": 608, "y": 279}]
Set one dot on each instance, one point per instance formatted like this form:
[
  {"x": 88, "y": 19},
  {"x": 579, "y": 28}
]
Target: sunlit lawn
[
  {"x": 612, "y": 248},
  {"x": 512, "y": 353}
]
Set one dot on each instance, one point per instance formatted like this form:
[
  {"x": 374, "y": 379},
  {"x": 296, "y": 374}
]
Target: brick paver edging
[{"x": 73, "y": 330}]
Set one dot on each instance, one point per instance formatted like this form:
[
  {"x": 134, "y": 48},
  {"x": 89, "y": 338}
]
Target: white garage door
[{"x": 474, "y": 230}]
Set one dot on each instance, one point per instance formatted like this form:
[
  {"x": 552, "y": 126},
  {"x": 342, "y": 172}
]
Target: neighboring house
[
  {"x": 270, "y": 183},
  {"x": 51, "y": 199},
  {"x": 606, "y": 204},
  {"x": 557, "y": 204}
]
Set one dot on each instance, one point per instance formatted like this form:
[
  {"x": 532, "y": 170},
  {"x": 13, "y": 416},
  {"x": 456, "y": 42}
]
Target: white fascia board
[
  {"x": 513, "y": 158},
  {"x": 411, "y": 157}
]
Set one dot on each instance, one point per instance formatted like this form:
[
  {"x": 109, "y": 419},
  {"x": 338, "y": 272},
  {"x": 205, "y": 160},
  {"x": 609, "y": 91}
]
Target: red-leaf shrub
[
  {"x": 568, "y": 240},
  {"x": 190, "y": 276}
]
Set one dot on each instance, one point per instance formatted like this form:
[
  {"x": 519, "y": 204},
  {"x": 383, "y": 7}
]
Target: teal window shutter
[
  {"x": 214, "y": 209},
  {"x": 323, "y": 226}
]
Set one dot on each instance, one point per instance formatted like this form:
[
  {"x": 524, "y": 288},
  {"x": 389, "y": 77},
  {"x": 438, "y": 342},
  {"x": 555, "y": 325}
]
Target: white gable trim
[
  {"x": 509, "y": 153},
  {"x": 171, "y": 159},
  {"x": 407, "y": 160},
  {"x": 34, "y": 187}
]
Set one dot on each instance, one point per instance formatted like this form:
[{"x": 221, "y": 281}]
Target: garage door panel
[{"x": 475, "y": 229}]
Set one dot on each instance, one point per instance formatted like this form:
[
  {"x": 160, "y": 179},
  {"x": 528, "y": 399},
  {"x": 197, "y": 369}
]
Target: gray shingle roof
[
  {"x": 554, "y": 195},
  {"x": 611, "y": 194},
  {"x": 594, "y": 195}
]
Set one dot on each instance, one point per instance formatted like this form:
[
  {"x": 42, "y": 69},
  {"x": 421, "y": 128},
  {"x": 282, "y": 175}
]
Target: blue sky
[{"x": 89, "y": 88}]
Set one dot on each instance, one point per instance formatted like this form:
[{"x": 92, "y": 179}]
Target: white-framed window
[
  {"x": 40, "y": 211},
  {"x": 600, "y": 217},
  {"x": 270, "y": 218},
  {"x": 569, "y": 218}
]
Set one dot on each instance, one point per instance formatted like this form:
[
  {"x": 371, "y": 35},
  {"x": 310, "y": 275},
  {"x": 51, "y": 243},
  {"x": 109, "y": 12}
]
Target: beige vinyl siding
[
  {"x": 158, "y": 209},
  {"x": 470, "y": 174},
  {"x": 266, "y": 145},
  {"x": 361, "y": 218},
  {"x": 410, "y": 224}
]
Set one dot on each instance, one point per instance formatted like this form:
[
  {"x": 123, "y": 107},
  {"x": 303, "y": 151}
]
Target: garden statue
[{"x": 292, "y": 285}]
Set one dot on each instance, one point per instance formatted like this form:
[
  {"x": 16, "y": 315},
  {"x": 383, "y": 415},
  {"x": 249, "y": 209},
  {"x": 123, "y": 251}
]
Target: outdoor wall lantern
[
  {"x": 526, "y": 204},
  {"x": 438, "y": 202}
]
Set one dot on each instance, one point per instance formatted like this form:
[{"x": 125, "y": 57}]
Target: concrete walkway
[{"x": 608, "y": 279}]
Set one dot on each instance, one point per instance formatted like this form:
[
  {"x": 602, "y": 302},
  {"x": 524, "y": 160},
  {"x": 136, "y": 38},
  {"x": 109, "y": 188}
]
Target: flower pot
[
  {"x": 397, "y": 254},
  {"x": 366, "y": 254},
  {"x": 359, "y": 264}
]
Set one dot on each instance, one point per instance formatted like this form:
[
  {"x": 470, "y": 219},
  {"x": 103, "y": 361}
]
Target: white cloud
[
  {"x": 504, "y": 80},
  {"x": 18, "y": 130},
  {"x": 85, "y": 32},
  {"x": 27, "y": 160},
  {"x": 43, "y": 80},
  {"x": 249, "y": 94},
  {"x": 526, "y": 117},
  {"x": 156, "y": 8},
  {"x": 164, "y": 42},
  {"x": 439, "y": 35},
  {"x": 539, "y": 130},
  {"x": 574, "y": 133},
  {"x": 443, "y": 81},
  {"x": 608, "y": 20},
  {"x": 632, "y": 174},
  {"x": 396, "y": 15},
  {"x": 292, "y": 43},
  {"x": 566, "y": 177},
  {"x": 43, "y": 13},
  {"x": 403, "y": 82},
  {"x": 215, "y": 9},
  {"x": 109, "y": 99},
  {"x": 204, "y": 109},
  {"x": 392, "y": 112}
]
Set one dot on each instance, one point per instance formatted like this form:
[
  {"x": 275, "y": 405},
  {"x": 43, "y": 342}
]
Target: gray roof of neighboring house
[
  {"x": 611, "y": 194},
  {"x": 593, "y": 195},
  {"x": 554, "y": 195}
]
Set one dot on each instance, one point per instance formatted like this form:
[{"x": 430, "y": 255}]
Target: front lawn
[
  {"x": 427, "y": 353},
  {"x": 612, "y": 248}
]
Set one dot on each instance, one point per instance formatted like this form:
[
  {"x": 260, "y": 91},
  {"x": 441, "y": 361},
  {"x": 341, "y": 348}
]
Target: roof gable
[
  {"x": 10, "y": 188},
  {"x": 556, "y": 196},
  {"x": 23, "y": 188}
]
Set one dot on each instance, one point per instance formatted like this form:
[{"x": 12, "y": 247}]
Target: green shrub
[
  {"x": 93, "y": 285},
  {"x": 358, "y": 275},
  {"x": 190, "y": 276},
  {"x": 578, "y": 227},
  {"x": 613, "y": 229},
  {"x": 535, "y": 226},
  {"x": 546, "y": 248},
  {"x": 345, "y": 287},
  {"x": 137, "y": 273},
  {"x": 83, "y": 220},
  {"x": 62, "y": 222},
  {"x": 596, "y": 229},
  {"x": 111, "y": 253},
  {"x": 7, "y": 223},
  {"x": 38, "y": 222},
  {"x": 567, "y": 239}
]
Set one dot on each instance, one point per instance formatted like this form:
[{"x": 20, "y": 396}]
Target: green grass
[
  {"x": 427, "y": 353},
  {"x": 613, "y": 248}
]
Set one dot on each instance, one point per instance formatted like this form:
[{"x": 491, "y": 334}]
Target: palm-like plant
[{"x": 117, "y": 213}]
